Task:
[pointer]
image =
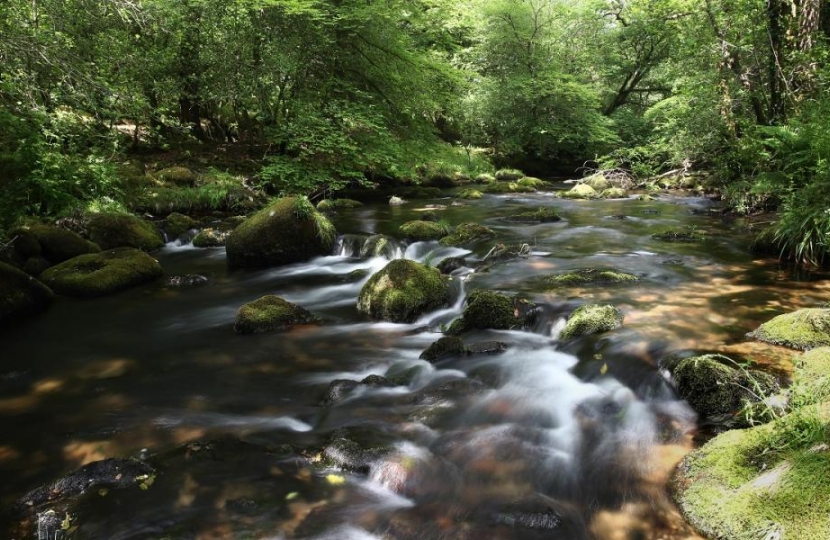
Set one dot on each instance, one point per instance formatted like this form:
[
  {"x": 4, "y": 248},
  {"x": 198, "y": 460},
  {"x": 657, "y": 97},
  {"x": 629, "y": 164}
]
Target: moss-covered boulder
[
  {"x": 177, "y": 175},
  {"x": 379, "y": 245},
  {"x": 811, "y": 378},
  {"x": 597, "y": 181},
  {"x": 421, "y": 231},
  {"x": 21, "y": 294},
  {"x": 99, "y": 274},
  {"x": 540, "y": 215},
  {"x": 509, "y": 175},
  {"x": 470, "y": 194},
  {"x": 121, "y": 230},
  {"x": 270, "y": 313},
  {"x": 51, "y": 243},
  {"x": 684, "y": 234},
  {"x": 767, "y": 482},
  {"x": 402, "y": 291},
  {"x": 590, "y": 276},
  {"x": 802, "y": 329},
  {"x": 532, "y": 182},
  {"x": 580, "y": 191},
  {"x": 468, "y": 233},
  {"x": 484, "y": 178},
  {"x": 287, "y": 231},
  {"x": 613, "y": 193},
  {"x": 210, "y": 237},
  {"x": 487, "y": 309},
  {"x": 591, "y": 319},
  {"x": 717, "y": 389},
  {"x": 445, "y": 347},
  {"x": 507, "y": 187},
  {"x": 331, "y": 205},
  {"x": 177, "y": 224}
]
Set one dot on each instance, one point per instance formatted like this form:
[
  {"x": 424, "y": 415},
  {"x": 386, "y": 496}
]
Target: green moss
[
  {"x": 591, "y": 319},
  {"x": 468, "y": 233},
  {"x": 378, "y": 245},
  {"x": 210, "y": 237},
  {"x": 590, "y": 276},
  {"x": 730, "y": 489},
  {"x": 52, "y": 243},
  {"x": 540, "y": 215},
  {"x": 646, "y": 197},
  {"x": 614, "y": 193},
  {"x": 508, "y": 175},
  {"x": 329, "y": 205},
  {"x": 402, "y": 291},
  {"x": 98, "y": 274},
  {"x": 423, "y": 230},
  {"x": 121, "y": 230},
  {"x": 177, "y": 224},
  {"x": 811, "y": 378},
  {"x": 686, "y": 234},
  {"x": 419, "y": 192},
  {"x": 20, "y": 294},
  {"x": 443, "y": 348},
  {"x": 489, "y": 309},
  {"x": 580, "y": 191},
  {"x": 484, "y": 179},
  {"x": 803, "y": 329},
  {"x": 507, "y": 187},
  {"x": 270, "y": 313},
  {"x": 533, "y": 183},
  {"x": 276, "y": 235},
  {"x": 177, "y": 175},
  {"x": 714, "y": 386},
  {"x": 597, "y": 181},
  {"x": 470, "y": 194}
]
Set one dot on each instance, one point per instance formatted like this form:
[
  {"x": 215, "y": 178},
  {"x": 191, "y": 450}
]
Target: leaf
[
  {"x": 336, "y": 479},
  {"x": 291, "y": 496},
  {"x": 604, "y": 369}
]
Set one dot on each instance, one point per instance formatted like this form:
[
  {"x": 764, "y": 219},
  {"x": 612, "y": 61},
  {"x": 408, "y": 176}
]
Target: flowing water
[{"x": 558, "y": 440}]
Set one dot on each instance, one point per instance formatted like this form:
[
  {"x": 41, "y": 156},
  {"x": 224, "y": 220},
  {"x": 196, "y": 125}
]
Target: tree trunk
[{"x": 776, "y": 12}]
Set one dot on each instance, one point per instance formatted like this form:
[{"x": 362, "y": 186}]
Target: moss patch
[
  {"x": 287, "y": 231},
  {"x": 420, "y": 231},
  {"x": 487, "y": 309},
  {"x": 103, "y": 273},
  {"x": 686, "y": 234},
  {"x": 590, "y": 276},
  {"x": 484, "y": 179},
  {"x": 811, "y": 378},
  {"x": 177, "y": 175},
  {"x": 734, "y": 488},
  {"x": 270, "y": 313},
  {"x": 444, "y": 348},
  {"x": 803, "y": 329},
  {"x": 402, "y": 291},
  {"x": 468, "y": 233},
  {"x": 533, "y": 183},
  {"x": 330, "y": 205},
  {"x": 540, "y": 215},
  {"x": 470, "y": 194},
  {"x": 580, "y": 191},
  {"x": 378, "y": 245},
  {"x": 508, "y": 187},
  {"x": 21, "y": 294},
  {"x": 120, "y": 230},
  {"x": 592, "y": 319},
  {"x": 614, "y": 193},
  {"x": 508, "y": 175}
]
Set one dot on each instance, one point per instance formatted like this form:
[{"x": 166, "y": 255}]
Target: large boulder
[
  {"x": 121, "y": 230},
  {"x": 468, "y": 233},
  {"x": 581, "y": 191},
  {"x": 592, "y": 319},
  {"x": 21, "y": 294},
  {"x": 803, "y": 329},
  {"x": 270, "y": 313},
  {"x": 99, "y": 274},
  {"x": 402, "y": 291},
  {"x": 287, "y": 231},
  {"x": 51, "y": 243},
  {"x": 487, "y": 309},
  {"x": 445, "y": 347},
  {"x": 716, "y": 388}
]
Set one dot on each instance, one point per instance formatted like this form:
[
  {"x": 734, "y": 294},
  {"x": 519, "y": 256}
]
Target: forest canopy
[{"x": 320, "y": 95}]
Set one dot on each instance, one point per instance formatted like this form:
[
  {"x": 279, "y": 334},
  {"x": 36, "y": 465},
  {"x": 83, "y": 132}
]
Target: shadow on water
[{"x": 547, "y": 440}]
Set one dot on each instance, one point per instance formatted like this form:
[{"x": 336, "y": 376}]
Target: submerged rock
[
  {"x": 287, "y": 231},
  {"x": 591, "y": 276},
  {"x": 420, "y": 231},
  {"x": 121, "y": 230},
  {"x": 402, "y": 291},
  {"x": 803, "y": 329},
  {"x": 540, "y": 215},
  {"x": 187, "y": 280},
  {"x": 687, "y": 234},
  {"x": 470, "y": 194},
  {"x": 451, "y": 264},
  {"x": 468, "y": 233},
  {"x": 20, "y": 294},
  {"x": 591, "y": 319},
  {"x": 487, "y": 347},
  {"x": 716, "y": 390},
  {"x": 340, "y": 389},
  {"x": 330, "y": 205},
  {"x": 99, "y": 274},
  {"x": 446, "y": 347},
  {"x": 270, "y": 313}
]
